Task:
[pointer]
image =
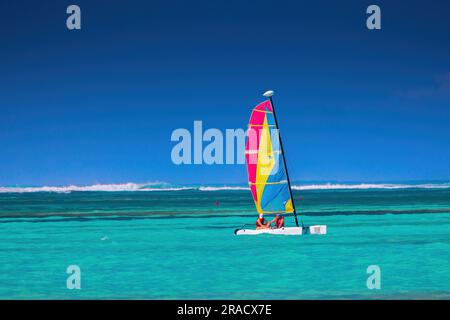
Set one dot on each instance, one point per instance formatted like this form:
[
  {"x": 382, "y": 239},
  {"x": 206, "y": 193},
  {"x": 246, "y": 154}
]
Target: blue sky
[{"x": 99, "y": 105}]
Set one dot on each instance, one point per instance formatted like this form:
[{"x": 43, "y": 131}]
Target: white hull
[{"x": 288, "y": 231}]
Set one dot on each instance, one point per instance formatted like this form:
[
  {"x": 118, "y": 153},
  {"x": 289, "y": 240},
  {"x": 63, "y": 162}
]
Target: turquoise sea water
[{"x": 180, "y": 245}]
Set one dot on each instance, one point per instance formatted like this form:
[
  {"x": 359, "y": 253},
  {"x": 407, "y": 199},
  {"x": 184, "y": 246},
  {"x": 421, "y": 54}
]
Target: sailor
[
  {"x": 261, "y": 223},
  {"x": 279, "y": 221}
]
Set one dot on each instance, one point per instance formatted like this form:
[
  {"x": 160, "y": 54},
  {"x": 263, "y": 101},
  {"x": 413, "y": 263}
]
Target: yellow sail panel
[
  {"x": 288, "y": 207},
  {"x": 265, "y": 161}
]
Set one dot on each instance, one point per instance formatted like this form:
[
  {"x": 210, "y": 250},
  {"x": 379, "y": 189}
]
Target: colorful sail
[{"x": 265, "y": 166}]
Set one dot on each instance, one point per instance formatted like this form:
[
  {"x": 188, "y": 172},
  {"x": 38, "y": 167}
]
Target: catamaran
[{"x": 268, "y": 176}]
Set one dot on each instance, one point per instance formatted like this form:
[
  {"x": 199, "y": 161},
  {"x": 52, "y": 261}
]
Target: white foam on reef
[
  {"x": 161, "y": 186},
  {"x": 151, "y": 186},
  {"x": 222, "y": 188},
  {"x": 339, "y": 186}
]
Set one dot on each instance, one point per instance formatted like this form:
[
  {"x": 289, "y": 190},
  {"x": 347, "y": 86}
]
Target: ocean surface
[{"x": 161, "y": 242}]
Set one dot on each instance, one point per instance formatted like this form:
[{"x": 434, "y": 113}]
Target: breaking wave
[
  {"x": 161, "y": 186},
  {"x": 339, "y": 186},
  {"x": 222, "y": 188},
  {"x": 124, "y": 187}
]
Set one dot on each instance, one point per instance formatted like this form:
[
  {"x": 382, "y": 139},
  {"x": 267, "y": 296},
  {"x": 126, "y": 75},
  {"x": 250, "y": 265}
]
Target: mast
[{"x": 269, "y": 94}]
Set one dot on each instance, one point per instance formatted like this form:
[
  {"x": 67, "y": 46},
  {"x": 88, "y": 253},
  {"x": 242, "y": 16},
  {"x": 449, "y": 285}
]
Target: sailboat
[{"x": 268, "y": 176}]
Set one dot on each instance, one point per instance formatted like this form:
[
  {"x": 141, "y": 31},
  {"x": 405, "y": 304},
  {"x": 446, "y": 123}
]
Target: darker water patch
[{"x": 127, "y": 216}]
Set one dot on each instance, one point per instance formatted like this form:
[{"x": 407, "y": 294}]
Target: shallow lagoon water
[{"x": 180, "y": 245}]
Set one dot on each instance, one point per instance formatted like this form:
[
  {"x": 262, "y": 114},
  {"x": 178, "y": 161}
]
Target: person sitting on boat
[
  {"x": 279, "y": 221},
  {"x": 261, "y": 223}
]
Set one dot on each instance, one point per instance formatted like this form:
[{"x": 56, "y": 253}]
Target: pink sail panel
[{"x": 256, "y": 123}]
